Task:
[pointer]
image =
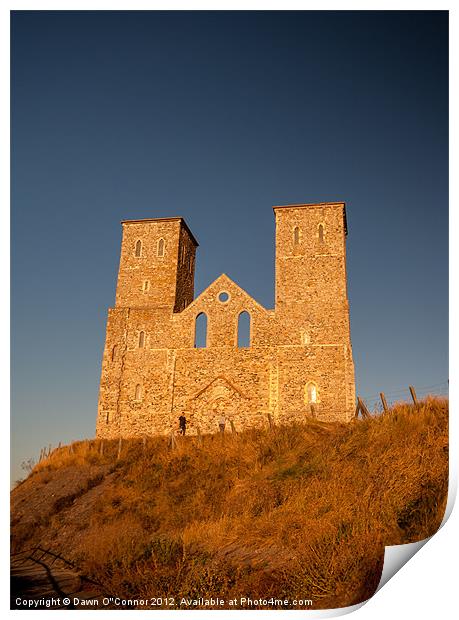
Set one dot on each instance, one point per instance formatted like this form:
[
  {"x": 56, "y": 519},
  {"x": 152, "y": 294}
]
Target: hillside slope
[{"x": 301, "y": 511}]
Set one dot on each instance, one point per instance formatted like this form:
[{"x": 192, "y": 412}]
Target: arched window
[
  {"x": 200, "y": 331},
  {"x": 311, "y": 393},
  {"x": 138, "y": 392},
  {"x": 138, "y": 248},
  {"x": 141, "y": 340},
  {"x": 114, "y": 352},
  {"x": 161, "y": 244},
  {"x": 296, "y": 235},
  {"x": 321, "y": 232},
  {"x": 243, "y": 329}
]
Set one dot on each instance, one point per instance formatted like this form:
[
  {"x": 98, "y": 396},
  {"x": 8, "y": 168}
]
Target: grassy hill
[{"x": 299, "y": 512}]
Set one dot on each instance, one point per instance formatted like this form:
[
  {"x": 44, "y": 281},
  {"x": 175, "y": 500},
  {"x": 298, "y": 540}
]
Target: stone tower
[
  {"x": 156, "y": 265},
  {"x": 311, "y": 283},
  {"x": 297, "y": 361}
]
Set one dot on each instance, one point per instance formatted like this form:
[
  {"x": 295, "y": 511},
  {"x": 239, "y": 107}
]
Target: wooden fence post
[
  {"x": 384, "y": 402},
  {"x": 198, "y": 431},
  {"x": 173, "y": 441},
  {"x": 357, "y": 409},
  {"x": 119, "y": 448},
  {"x": 362, "y": 408},
  {"x": 144, "y": 443},
  {"x": 101, "y": 448},
  {"x": 270, "y": 421},
  {"x": 413, "y": 395},
  {"x": 233, "y": 428}
]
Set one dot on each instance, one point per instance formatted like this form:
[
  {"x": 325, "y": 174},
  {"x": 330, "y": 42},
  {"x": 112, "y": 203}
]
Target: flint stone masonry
[{"x": 299, "y": 363}]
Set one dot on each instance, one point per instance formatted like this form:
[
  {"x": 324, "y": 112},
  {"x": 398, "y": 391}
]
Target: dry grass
[{"x": 301, "y": 511}]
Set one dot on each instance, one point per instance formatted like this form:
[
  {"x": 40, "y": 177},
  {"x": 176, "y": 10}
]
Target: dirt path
[{"x": 35, "y": 584}]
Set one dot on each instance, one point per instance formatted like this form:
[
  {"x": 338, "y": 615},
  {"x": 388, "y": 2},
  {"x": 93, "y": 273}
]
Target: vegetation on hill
[{"x": 298, "y": 512}]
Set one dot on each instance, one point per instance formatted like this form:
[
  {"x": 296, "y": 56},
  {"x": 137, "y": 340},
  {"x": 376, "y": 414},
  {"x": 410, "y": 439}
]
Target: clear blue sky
[{"x": 217, "y": 116}]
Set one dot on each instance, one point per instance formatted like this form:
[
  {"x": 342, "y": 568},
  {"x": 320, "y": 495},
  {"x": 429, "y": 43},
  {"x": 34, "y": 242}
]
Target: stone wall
[{"x": 301, "y": 350}]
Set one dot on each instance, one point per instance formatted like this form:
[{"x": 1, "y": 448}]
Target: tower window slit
[
  {"x": 296, "y": 235},
  {"x": 141, "y": 340},
  {"x": 311, "y": 392}
]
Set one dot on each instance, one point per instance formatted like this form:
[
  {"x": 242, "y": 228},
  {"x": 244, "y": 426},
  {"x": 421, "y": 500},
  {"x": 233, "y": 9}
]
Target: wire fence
[{"x": 402, "y": 394}]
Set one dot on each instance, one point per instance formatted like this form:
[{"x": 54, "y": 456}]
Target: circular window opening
[{"x": 223, "y": 297}]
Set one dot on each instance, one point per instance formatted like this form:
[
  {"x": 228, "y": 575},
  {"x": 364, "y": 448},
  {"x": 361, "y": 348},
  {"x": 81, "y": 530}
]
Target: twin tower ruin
[{"x": 295, "y": 362}]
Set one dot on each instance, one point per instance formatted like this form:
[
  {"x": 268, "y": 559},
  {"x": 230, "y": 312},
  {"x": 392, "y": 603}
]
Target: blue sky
[{"x": 217, "y": 116}]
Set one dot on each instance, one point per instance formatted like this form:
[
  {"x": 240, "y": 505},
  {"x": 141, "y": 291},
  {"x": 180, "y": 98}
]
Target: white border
[{"x": 424, "y": 589}]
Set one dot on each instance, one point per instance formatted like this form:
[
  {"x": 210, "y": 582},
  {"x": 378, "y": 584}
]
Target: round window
[{"x": 224, "y": 296}]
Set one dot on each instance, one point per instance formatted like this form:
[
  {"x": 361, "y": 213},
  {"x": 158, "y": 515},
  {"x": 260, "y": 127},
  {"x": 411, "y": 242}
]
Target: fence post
[
  {"x": 144, "y": 443},
  {"x": 270, "y": 421},
  {"x": 101, "y": 448},
  {"x": 362, "y": 408},
  {"x": 384, "y": 403},
  {"x": 198, "y": 431},
  {"x": 413, "y": 395},
  {"x": 233, "y": 428},
  {"x": 173, "y": 441},
  {"x": 119, "y": 448}
]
